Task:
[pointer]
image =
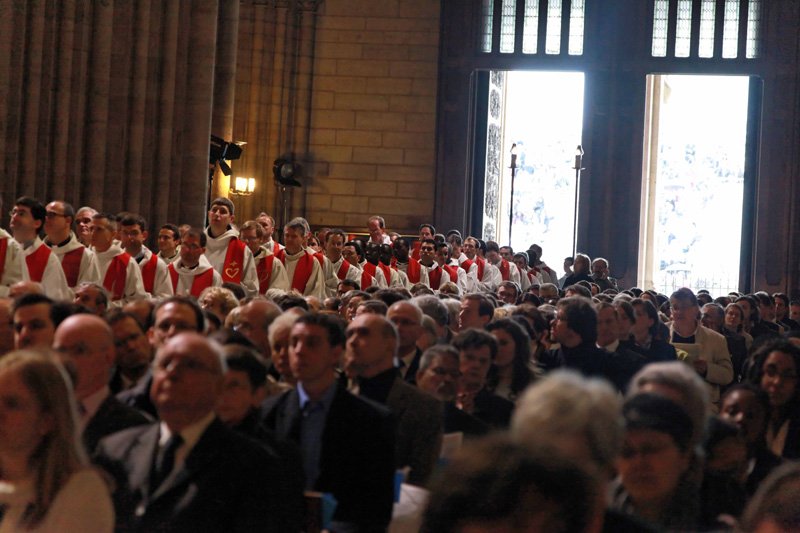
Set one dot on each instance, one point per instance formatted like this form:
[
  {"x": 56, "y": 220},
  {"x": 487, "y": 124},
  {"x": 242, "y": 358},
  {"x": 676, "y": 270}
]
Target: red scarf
[
  {"x": 201, "y": 281},
  {"x": 414, "y": 270},
  {"x": 149, "y": 273},
  {"x": 505, "y": 269},
  {"x": 3, "y": 250},
  {"x": 37, "y": 262},
  {"x": 387, "y": 272},
  {"x": 415, "y": 249},
  {"x": 234, "y": 261},
  {"x": 302, "y": 272},
  {"x": 435, "y": 277},
  {"x": 452, "y": 271},
  {"x": 264, "y": 269},
  {"x": 343, "y": 269},
  {"x": 117, "y": 275},
  {"x": 71, "y": 264},
  {"x": 366, "y": 279},
  {"x": 481, "y": 265}
]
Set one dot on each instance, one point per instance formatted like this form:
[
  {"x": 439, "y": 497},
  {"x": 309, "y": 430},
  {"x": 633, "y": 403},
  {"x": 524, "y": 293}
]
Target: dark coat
[
  {"x": 357, "y": 456},
  {"x": 112, "y": 416},
  {"x": 226, "y": 484}
]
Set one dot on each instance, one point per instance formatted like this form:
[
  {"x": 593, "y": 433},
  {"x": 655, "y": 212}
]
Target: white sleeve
[
  {"x": 134, "y": 286},
  {"x": 12, "y": 270},
  {"x": 87, "y": 272},
  {"x": 54, "y": 281},
  {"x": 249, "y": 276},
  {"x": 162, "y": 285},
  {"x": 279, "y": 278},
  {"x": 316, "y": 283},
  {"x": 83, "y": 504}
]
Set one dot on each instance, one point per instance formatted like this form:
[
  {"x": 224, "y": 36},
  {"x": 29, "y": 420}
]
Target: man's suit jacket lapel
[
  {"x": 203, "y": 454},
  {"x": 288, "y": 418},
  {"x": 143, "y": 453}
]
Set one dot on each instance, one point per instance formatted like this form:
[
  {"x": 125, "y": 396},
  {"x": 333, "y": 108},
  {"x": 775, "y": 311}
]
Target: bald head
[
  {"x": 85, "y": 343},
  {"x": 187, "y": 379},
  {"x": 371, "y": 345}
]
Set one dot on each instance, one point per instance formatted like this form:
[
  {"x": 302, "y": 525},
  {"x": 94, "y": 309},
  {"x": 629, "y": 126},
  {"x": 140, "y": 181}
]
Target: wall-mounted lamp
[{"x": 243, "y": 186}]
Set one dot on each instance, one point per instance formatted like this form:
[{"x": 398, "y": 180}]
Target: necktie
[{"x": 165, "y": 461}]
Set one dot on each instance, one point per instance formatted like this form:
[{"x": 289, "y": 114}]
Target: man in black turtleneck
[
  {"x": 575, "y": 329},
  {"x": 369, "y": 360}
]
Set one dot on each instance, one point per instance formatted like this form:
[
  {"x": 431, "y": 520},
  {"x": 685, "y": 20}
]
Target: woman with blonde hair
[{"x": 45, "y": 481}]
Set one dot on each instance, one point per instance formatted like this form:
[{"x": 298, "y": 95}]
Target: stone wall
[{"x": 373, "y": 113}]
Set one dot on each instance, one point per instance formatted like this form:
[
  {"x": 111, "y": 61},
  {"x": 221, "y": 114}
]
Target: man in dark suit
[
  {"x": 347, "y": 442},
  {"x": 407, "y": 318},
  {"x": 170, "y": 317},
  {"x": 86, "y": 346},
  {"x": 477, "y": 349},
  {"x": 189, "y": 472},
  {"x": 438, "y": 375},
  {"x": 369, "y": 360}
]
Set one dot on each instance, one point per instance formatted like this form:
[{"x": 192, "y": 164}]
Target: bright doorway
[
  {"x": 693, "y": 184},
  {"x": 542, "y": 114}
]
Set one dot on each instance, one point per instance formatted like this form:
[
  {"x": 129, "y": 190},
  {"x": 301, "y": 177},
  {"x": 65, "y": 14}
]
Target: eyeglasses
[
  {"x": 439, "y": 371},
  {"x": 773, "y": 372},
  {"x": 53, "y": 214},
  {"x": 175, "y": 365}
]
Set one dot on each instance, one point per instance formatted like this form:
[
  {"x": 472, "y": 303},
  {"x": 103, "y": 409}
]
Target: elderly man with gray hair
[{"x": 304, "y": 269}]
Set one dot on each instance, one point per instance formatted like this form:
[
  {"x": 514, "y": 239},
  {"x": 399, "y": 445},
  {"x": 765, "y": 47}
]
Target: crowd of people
[{"x": 229, "y": 382}]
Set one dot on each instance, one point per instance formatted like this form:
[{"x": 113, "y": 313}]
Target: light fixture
[
  {"x": 241, "y": 186},
  {"x": 285, "y": 172}
]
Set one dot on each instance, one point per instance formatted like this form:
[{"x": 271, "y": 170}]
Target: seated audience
[{"x": 45, "y": 481}]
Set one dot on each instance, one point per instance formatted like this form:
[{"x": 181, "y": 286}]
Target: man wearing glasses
[
  {"x": 10, "y": 263},
  {"x": 39, "y": 264},
  {"x": 76, "y": 259}
]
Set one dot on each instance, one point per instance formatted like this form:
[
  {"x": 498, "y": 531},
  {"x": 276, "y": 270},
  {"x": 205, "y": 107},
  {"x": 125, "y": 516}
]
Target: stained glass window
[
  {"x": 753, "y": 25},
  {"x": 683, "y": 30},
  {"x": 730, "y": 29},
  {"x": 660, "y": 20},
  {"x": 576, "y": 24},
  {"x": 530, "y": 27},
  {"x": 508, "y": 26},
  {"x": 553, "y": 39},
  {"x": 488, "y": 22},
  {"x": 707, "y": 10}
]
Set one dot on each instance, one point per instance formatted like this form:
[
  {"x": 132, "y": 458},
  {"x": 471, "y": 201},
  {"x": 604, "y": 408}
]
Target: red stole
[
  {"x": 532, "y": 276},
  {"x": 415, "y": 249},
  {"x": 149, "y": 273},
  {"x": 505, "y": 269},
  {"x": 370, "y": 269},
  {"x": 233, "y": 266},
  {"x": 275, "y": 247},
  {"x": 435, "y": 277},
  {"x": 453, "y": 271},
  {"x": 414, "y": 270},
  {"x": 302, "y": 272},
  {"x": 342, "y": 272},
  {"x": 319, "y": 257},
  {"x": 387, "y": 272},
  {"x": 71, "y": 264},
  {"x": 281, "y": 255},
  {"x": 3, "y": 251},
  {"x": 201, "y": 281},
  {"x": 264, "y": 269},
  {"x": 37, "y": 262},
  {"x": 466, "y": 265},
  {"x": 117, "y": 275},
  {"x": 481, "y": 265},
  {"x": 366, "y": 279}
]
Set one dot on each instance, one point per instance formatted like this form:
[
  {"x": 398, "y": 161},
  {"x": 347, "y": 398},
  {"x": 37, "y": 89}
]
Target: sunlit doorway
[
  {"x": 692, "y": 194},
  {"x": 541, "y": 115}
]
